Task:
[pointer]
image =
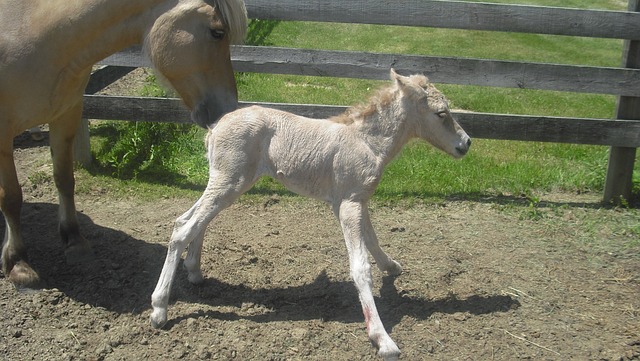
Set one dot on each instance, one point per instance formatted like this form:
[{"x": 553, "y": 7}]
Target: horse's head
[
  {"x": 189, "y": 46},
  {"x": 428, "y": 110}
]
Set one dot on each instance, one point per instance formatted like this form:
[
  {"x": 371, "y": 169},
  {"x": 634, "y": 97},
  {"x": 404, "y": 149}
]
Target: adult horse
[{"x": 47, "y": 50}]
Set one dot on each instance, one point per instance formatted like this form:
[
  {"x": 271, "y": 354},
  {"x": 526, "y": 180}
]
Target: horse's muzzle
[
  {"x": 208, "y": 111},
  {"x": 464, "y": 149}
]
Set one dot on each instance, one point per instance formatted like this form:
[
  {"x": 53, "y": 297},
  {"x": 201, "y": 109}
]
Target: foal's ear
[{"x": 398, "y": 79}]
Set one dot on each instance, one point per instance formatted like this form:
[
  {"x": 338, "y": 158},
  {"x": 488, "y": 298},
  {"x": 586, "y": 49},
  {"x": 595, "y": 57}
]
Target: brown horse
[{"x": 47, "y": 50}]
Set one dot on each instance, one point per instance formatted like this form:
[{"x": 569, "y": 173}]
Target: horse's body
[
  {"x": 339, "y": 160},
  {"x": 47, "y": 49}
]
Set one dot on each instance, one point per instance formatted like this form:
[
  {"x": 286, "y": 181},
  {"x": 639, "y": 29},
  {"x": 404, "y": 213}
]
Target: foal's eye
[
  {"x": 217, "y": 34},
  {"x": 442, "y": 114}
]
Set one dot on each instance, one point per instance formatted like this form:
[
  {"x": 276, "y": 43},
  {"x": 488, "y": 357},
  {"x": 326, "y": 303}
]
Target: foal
[{"x": 339, "y": 160}]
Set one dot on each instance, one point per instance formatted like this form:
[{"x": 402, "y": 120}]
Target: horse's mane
[
  {"x": 234, "y": 15},
  {"x": 360, "y": 112}
]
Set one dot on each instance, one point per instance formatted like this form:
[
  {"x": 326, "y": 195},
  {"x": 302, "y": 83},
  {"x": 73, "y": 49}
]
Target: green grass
[{"x": 492, "y": 167}]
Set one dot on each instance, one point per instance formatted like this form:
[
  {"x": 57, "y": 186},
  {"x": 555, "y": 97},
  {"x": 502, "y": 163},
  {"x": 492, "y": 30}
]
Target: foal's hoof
[
  {"x": 391, "y": 353},
  {"x": 24, "y": 277},
  {"x": 195, "y": 277},
  {"x": 394, "y": 269},
  {"x": 78, "y": 254},
  {"x": 158, "y": 318}
]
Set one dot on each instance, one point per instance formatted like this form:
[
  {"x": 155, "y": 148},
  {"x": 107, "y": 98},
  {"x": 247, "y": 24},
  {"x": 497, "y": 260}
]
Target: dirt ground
[{"x": 494, "y": 279}]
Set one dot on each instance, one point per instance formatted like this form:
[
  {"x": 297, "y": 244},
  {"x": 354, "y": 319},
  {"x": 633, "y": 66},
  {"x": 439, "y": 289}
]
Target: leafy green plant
[
  {"x": 39, "y": 178},
  {"x": 147, "y": 151}
]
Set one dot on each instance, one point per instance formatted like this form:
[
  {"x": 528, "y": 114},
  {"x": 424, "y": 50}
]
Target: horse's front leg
[
  {"x": 14, "y": 252},
  {"x": 62, "y": 131},
  {"x": 353, "y": 218}
]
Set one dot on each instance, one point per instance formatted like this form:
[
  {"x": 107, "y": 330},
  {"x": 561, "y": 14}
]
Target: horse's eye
[
  {"x": 218, "y": 34},
  {"x": 442, "y": 114}
]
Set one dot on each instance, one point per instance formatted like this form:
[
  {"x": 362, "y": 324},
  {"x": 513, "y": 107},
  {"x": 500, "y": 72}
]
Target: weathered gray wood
[
  {"x": 455, "y": 14},
  {"x": 144, "y": 109},
  {"x": 100, "y": 79},
  {"x": 450, "y": 70},
  {"x": 480, "y": 125},
  {"x": 82, "y": 144},
  {"x": 551, "y": 129},
  {"x": 619, "y": 181},
  {"x": 131, "y": 57},
  {"x": 105, "y": 76}
]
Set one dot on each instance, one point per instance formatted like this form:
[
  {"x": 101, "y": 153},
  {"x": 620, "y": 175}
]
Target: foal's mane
[
  {"x": 358, "y": 113},
  {"x": 382, "y": 98},
  {"x": 234, "y": 14}
]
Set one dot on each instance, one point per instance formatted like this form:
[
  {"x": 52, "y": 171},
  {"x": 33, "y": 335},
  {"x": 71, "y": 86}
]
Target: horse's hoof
[
  {"x": 78, "y": 254},
  {"x": 24, "y": 277}
]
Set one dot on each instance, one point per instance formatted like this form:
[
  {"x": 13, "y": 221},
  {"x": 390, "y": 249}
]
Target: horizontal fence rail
[
  {"x": 479, "y": 125},
  {"x": 446, "y": 70},
  {"x": 456, "y": 15},
  {"x": 623, "y": 81}
]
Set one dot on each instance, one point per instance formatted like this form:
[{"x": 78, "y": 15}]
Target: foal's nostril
[{"x": 469, "y": 142}]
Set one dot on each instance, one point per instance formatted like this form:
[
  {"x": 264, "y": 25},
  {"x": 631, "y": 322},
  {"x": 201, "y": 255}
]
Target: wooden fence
[{"x": 621, "y": 133}]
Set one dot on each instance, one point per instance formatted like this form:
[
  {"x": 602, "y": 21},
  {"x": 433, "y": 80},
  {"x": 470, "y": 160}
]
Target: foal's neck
[{"x": 385, "y": 128}]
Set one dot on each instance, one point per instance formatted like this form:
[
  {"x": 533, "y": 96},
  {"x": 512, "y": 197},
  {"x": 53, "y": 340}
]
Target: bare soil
[{"x": 492, "y": 279}]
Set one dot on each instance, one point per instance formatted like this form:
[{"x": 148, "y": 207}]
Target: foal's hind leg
[
  {"x": 351, "y": 215},
  {"x": 384, "y": 262},
  {"x": 192, "y": 261},
  {"x": 14, "y": 253},
  {"x": 61, "y": 134},
  {"x": 189, "y": 232}
]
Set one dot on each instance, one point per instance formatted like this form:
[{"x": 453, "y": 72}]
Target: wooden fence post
[
  {"x": 100, "y": 79},
  {"x": 619, "y": 181},
  {"x": 82, "y": 145}
]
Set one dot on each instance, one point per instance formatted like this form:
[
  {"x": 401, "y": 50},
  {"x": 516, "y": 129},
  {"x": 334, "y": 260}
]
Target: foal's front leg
[{"x": 354, "y": 221}]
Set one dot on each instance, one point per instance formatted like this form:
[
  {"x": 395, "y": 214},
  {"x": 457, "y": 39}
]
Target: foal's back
[{"x": 312, "y": 157}]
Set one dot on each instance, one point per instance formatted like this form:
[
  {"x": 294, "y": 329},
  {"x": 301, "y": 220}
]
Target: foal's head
[
  {"x": 427, "y": 109},
  {"x": 189, "y": 46}
]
